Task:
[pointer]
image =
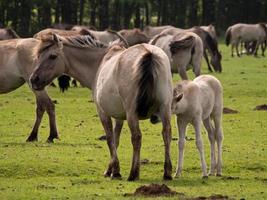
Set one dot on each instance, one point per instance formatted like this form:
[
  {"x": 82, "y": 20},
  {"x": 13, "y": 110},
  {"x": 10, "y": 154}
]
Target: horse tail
[
  {"x": 185, "y": 43},
  {"x": 118, "y": 35},
  {"x": 264, "y": 27},
  {"x": 63, "y": 83},
  {"x": 146, "y": 80},
  {"x": 228, "y": 36}
]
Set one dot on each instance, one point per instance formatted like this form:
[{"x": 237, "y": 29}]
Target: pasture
[{"x": 73, "y": 167}]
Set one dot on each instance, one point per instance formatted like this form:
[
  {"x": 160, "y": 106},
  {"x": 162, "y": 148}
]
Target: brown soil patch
[
  {"x": 213, "y": 197},
  {"x": 229, "y": 111},
  {"x": 261, "y": 107},
  {"x": 154, "y": 190}
]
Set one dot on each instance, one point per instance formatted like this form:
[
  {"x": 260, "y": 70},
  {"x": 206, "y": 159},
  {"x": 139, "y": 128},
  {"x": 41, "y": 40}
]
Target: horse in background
[
  {"x": 242, "y": 33},
  {"x": 7, "y": 33},
  {"x": 152, "y": 31},
  {"x": 184, "y": 49},
  {"x": 128, "y": 84},
  {"x": 134, "y": 36},
  {"x": 211, "y": 30},
  {"x": 209, "y": 45}
]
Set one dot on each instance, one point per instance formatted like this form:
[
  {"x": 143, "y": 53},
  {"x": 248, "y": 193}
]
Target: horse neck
[{"x": 83, "y": 63}]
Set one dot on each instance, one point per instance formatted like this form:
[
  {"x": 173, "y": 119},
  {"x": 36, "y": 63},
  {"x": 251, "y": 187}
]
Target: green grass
[{"x": 72, "y": 167}]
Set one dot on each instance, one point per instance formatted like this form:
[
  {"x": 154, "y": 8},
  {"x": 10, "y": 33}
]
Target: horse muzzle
[{"x": 36, "y": 83}]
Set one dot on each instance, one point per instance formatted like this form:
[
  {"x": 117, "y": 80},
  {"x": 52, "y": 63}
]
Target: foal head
[{"x": 50, "y": 62}]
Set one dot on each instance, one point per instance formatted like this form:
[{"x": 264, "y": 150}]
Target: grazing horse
[
  {"x": 183, "y": 49},
  {"x": 16, "y": 66},
  {"x": 134, "y": 36},
  {"x": 211, "y": 30},
  {"x": 128, "y": 84},
  {"x": 7, "y": 33},
  {"x": 240, "y": 33},
  {"x": 209, "y": 44}
]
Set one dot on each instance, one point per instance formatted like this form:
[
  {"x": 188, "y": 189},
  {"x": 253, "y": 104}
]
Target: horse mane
[
  {"x": 263, "y": 26},
  {"x": 11, "y": 32}
]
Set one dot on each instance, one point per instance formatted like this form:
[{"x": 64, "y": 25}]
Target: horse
[
  {"x": 183, "y": 49},
  {"x": 16, "y": 67},
  {"x": 64, "y": 80},
  {"x": 242, "y": 33},
  {"x": 193, "y": 102},
  {"x": 209, "y": 44},
  {"x": 7, "y": 33},
  {"x": 152, "y": 31},
  {"x": 128, "y": 84},
  {"x": 134, "y": 36}
]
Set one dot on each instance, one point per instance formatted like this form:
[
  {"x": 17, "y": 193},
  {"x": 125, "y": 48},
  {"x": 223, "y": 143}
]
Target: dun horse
[
  {"x": 7, "y": 33},
  {"x": 240, "y": 33},
  {"x": 16, "y": 66},
  {"x": 209, "y": 44},
  {"x": 131, "y": 84},
  {"x": 183, "y": 49}
]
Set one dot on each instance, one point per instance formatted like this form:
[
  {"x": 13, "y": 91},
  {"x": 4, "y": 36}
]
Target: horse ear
[{"x": 178, "y": 97}]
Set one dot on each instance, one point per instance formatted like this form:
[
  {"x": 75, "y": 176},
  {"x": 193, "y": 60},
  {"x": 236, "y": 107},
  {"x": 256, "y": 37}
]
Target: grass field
[{"x": 72, "y": 168}]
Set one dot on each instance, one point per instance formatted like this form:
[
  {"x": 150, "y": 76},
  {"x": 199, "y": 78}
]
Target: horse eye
[{"x": 52, "y": 57}]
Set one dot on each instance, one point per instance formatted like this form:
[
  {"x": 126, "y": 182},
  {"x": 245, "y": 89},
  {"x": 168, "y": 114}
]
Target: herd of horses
[{"x": 130, "y": 74}]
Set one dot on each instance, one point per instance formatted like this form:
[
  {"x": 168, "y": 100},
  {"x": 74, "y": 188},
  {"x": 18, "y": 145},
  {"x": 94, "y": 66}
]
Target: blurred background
[{"x": 27, "y": 17}]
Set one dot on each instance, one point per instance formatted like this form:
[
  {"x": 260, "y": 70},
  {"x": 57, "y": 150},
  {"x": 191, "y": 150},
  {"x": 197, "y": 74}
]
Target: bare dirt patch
[
  {"x": 154, "y": 190},
  {"x": 213, "y": 197},
  {"x": 229, "y": 111},
  {"x": 261, "y": 107}
]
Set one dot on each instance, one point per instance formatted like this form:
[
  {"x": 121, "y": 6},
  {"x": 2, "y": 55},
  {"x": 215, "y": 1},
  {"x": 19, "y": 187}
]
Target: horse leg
[
  {"x": 165, "y": 115},
  {"x": 219, "y": 139},
  {"x": 256, "y": 49},
  {"x": 232, "y": 50},
  {"x": 199, "y": 144},
  {"x": 207, "y": 60},
  {"x": 210, "y": 130},
  {"x": 263, "y": 47},
  {"x": 136, "y": 138},
  {"x": 236, "y": 48},
  {"x": 182, "y": 72},
  {"x": 40, "y": 109},
  {"x": 113, "y": 169},
  {"x": 117, "y": 131},
  {"x": 181, "y": 124}
]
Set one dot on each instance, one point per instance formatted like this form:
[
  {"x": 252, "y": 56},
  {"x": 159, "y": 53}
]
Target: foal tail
[
  {"x": 228, "y": 36},
  {"x": 146, "y": 80}
]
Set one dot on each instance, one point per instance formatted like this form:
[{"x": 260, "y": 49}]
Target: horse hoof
[
  {"x": 133, "y": 178},
  {"x": 107, "y": 173},
  {"x": 167, "y": 177},
  {"x": 219, "y": 174},
  {"x": 32, "y": 139},
  {"x": 116, "y": 176},
  {"x": 205, "y": 177},
  {"x": 51, "y": 139}
]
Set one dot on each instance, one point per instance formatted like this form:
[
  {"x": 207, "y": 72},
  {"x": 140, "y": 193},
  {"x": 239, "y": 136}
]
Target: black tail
[
  {"x": 228, "y": 36},
  {"x": 63, "y": 82},
  {"x": 146, "y": 83}
]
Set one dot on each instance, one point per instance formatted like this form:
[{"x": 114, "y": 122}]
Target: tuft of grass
[{"x": 72, "y": 168}]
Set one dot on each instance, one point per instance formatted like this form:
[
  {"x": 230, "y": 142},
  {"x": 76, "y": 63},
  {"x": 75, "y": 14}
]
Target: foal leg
[
  {"x": 181, "y": 125},
  {"x": 182, "y": 72},
  {"x": 165, "y": 115},
  {"x": 113, "y": 169},
  {"x": 136, "y": 138},
  {"x": 219, "y": 139},
  {"x": 208, "y": 125},
  {"x": 199, "y": 144}
]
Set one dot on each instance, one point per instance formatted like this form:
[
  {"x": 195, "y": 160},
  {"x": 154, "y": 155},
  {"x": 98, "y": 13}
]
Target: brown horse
[{"x": 128, "y": 84}]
